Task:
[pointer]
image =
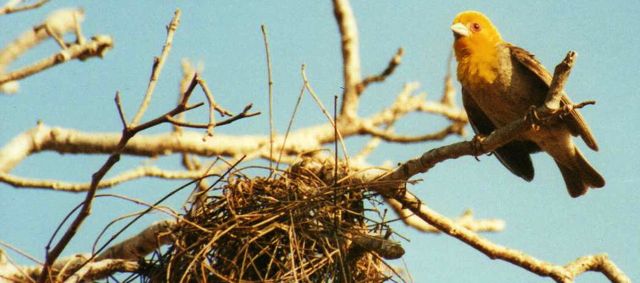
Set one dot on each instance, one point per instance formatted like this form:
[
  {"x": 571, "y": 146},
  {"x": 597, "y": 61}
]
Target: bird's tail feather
[
  {"x": 590, "y": 175},
  {"x": 580, "y": 177}
]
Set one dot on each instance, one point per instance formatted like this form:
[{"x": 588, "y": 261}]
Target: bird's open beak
[{"x": 460, "y": 30}]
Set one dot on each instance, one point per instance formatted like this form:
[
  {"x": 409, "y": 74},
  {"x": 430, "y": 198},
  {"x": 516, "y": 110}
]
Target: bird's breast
[{"x": 508, "y": 97}]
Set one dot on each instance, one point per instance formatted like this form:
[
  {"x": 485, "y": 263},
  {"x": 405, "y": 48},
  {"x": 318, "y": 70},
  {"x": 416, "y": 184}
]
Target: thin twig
[
  {"x": 391, "y": 67},
  {"x": 213, "y": 106},
  {"x": 293, "y": 116},
  {"x": 270, "y": 85},
  {"x": 158, "y": 63},
  {"x": 244, "y": 114},
  {"x": 188, "y": 75},
  {"x": 325, "y": 112},
  {"x": 123, "y": 118},
  {"x": 21, "y": 252}
]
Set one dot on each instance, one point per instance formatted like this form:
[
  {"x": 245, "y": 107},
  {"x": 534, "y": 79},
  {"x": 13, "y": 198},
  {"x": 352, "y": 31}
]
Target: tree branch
[
  {"x": 496, "y": 139},
  {"x": 391, "y": 67},
  {"x": 59, "y": 22},
  {"x": 350, "y": 57},
  {"x": 309, "y": 139},
  {"x": 127, "y": 133},
  {"x": 466, "y": 220},
  {"x": 564, "y": 274},
  {"x": 101, "y": 269},
  {"x": 97, "y": 47},
  {"x": 145, "y": 242},
  {"x": 455, "y": 128},
  {"x": 9, "y": 9},
  {"x": 560, "y": 75},
  {"x": 130, "y": 175},
  {"x": 158, "y": 63}
]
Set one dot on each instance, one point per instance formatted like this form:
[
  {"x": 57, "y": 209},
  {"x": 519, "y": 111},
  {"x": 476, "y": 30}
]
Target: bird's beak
[{"x": 460, "y": 30}]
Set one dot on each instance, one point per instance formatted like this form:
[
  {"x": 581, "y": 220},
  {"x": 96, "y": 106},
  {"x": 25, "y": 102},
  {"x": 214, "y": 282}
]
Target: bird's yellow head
[
  {"x": 475, "y": 44},
  {"x": 473, "y": 33}
]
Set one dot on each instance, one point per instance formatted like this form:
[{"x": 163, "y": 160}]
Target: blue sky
[{"x": 541, "y": 218}]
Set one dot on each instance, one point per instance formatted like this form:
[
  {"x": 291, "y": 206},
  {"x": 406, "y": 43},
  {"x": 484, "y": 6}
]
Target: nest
[{"x": 295, "y": 226}]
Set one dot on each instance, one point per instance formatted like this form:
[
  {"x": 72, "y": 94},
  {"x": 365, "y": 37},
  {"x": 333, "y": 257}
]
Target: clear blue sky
[{"x": 541, "y": 218}]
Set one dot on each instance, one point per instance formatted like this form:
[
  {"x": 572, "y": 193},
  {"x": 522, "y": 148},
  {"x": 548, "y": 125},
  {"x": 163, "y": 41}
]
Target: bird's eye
[{"x": 475, "y": 27}]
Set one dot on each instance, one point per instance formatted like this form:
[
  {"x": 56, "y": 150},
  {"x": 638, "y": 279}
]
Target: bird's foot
[
  {"x": 476, "y": 146},
  {"x": 533, "y": 118}
]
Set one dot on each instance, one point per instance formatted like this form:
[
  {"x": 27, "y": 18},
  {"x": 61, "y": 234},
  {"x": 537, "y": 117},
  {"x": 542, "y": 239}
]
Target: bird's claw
[
  {"x": 476, "y": 146},
  {"x": 533, "y": 118},
  {"x": 566, "y": 109}
]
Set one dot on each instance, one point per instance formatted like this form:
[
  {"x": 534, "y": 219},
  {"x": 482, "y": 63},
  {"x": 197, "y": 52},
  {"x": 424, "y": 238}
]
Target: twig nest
[{"x": 294, "y": 226}]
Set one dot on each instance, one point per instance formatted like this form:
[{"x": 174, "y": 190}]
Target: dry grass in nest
[{"x": 296, "y": 226}]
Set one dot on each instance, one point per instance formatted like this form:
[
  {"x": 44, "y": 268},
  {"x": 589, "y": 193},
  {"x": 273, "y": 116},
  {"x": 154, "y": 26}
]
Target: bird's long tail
[{"x": 580, "y": 176}]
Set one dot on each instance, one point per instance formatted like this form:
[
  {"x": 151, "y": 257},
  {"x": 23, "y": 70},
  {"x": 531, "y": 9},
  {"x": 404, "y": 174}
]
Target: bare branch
[
  {"x": 17, "y": 250},
  {"x": 244, "y": 114},
  {"x": 466, "y": 220},
  {"x": 143, "y": 243},
  {"x": 101, "y": 269},
  {"x": 270, "y": 86},
  {"x": 64, "y": 265},
  {"x": 350, "y": 57},
  {"x": 325, "y": 112},
  {"x": 407, "y": 103},
  {"x": 293, "y": 116},
  {"x": 516, "y": 257},
  {"x": 9, "y": 9},
  {"x": 386, "y": 248},
  {"x": 97, "y": 47},
  {"x": 45, "y": 138},
  {"x": 123, "y": 118},
  {"x": 133, "y": 174},
  {"x": 599, "y": 263},
  {"x": 366, "y": 150},
  {"x": 213, "y": 106},
  {"x": 455, "y": 128},
  {"x": 59, "y": 22},
  {"x": 188, "y": 74},
  {"x": 127, "y": 134},
  {"x": 560, "y": 75},
  {"x": 157, "y": 67},
  {"x": 496, "y": 139},
  {"x": 391, "y": 67}
]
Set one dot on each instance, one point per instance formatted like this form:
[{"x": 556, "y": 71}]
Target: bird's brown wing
[
  {"x": 574, "y": 120},
  {"x": 514, "y": 155}
]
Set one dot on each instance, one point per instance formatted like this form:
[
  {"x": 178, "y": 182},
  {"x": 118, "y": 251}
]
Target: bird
[{"x": 500, "y": 83}]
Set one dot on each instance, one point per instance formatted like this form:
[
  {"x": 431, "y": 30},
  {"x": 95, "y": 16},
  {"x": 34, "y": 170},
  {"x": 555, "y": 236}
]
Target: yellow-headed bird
[{"x": 500, "y": 82}]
